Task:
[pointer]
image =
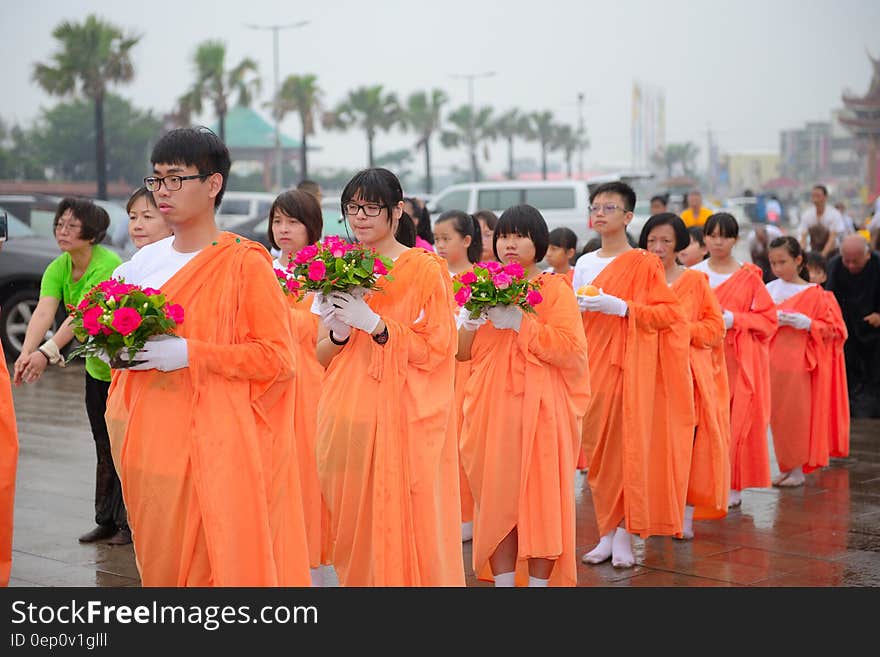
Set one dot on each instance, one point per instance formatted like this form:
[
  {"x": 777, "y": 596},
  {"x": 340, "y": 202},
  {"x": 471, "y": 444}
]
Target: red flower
[
  {"x": 126, "y": 320},
  {"x": 90, "y": 320},
  {"x": 534, "y": 298},
  {"x": 468, "y": 278},
  {"x": 379, "y": 267},
  {"x": 463, "y": 295},
  {"x": 305, "y": 254},
  {"x": 175, "y": 313},
  {"x": 317, "y": 270}
]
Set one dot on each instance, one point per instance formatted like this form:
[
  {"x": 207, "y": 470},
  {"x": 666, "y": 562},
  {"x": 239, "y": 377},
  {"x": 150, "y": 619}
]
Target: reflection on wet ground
[{"x": 826, "y": 533}]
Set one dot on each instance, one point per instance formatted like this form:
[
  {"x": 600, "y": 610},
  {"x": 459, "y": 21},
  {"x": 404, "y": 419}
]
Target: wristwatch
[{"x": 381, "y": 338}]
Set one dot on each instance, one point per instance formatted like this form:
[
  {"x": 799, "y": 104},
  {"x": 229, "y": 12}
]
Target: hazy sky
[{"x": 745, "y": 68}]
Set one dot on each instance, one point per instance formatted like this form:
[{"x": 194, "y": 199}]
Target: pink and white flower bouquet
[
  {"x": 493, "y": 284},
  {"x": 334, "y": 264}
]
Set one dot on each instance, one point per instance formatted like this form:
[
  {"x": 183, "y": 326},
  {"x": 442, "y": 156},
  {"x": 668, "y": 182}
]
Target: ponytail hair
[
  {"x": 793, "y": 247},
  {"x": 406, "y": 231},
  {"x": 466, "y": 225}
]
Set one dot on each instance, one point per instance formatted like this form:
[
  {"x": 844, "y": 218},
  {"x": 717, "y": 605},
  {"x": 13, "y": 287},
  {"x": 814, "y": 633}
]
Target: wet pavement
[{"x": 824, "y": 534}]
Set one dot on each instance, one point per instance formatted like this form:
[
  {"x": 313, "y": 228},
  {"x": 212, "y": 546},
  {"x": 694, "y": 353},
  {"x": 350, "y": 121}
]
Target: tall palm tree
[
  {"x": 545, "y": 130},
  {"x": 568, "y": 140},
  {"x": 422, "y": 115},
  {"x": 93, "y": 55},
  {"x": 215, "y": 85},
  {"x": 510, "y": 125},
  {"x": 368, "y": 108},
  {"x": 473, "y": 129},
  {"x": 300, "y": 94}
]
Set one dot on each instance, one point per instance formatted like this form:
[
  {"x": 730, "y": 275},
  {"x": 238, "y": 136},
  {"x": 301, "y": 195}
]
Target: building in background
[
  {"x": 751, "y": 170},
  {"x": 648, "y": 124},
  {"x": 862, "y": 119},
  {"x": 821, "y": 151}
]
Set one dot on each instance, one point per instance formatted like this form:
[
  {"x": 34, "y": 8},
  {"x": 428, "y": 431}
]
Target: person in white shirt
[{"x": 830, "y": 217}]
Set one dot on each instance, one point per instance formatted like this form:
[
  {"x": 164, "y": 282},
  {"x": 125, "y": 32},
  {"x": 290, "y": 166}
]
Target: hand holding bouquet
[
  {"x": 336, "y": 265},
  {"x": 493, "y": 284},
  {"x": 116, "y": 317}
]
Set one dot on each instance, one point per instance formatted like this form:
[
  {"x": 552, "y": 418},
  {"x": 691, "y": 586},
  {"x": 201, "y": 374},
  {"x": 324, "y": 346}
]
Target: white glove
[
  {"x": 728, "y": 319},
  {"x": 354, "y": 311},
  {"x": 463, "y": 320},
  {"x": 798, "y": 321},
  {"x": 582, "y": 302},
  {"x": 340, "y": 330},
  {"x": 505, "y": 317},
  {"x": 604, "y": 303},
  {"x": 164, "y": 353}
]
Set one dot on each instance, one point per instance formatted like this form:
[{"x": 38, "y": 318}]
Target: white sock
[
  {"x": 621, "y": 549},
  {"x": 467, "y": 531},
  {"x": 602, "y": 552},
  {"x": 505, "y": 580},
  {"x": 735, "y": 498},
  {"x": 537, "y": 582},
  {"x": 317, "y": 576},
  {"x": 687, "y": 531}
]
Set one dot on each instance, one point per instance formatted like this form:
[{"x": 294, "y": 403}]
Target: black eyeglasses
[
  {"x": 172, "y": 183},
  {"x": 370, "y": 209}
]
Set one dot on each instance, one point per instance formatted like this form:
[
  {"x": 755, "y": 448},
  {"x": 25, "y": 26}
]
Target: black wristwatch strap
[
  {"x": 381, "y": 338},
  {"x": 338, "y": 342}
]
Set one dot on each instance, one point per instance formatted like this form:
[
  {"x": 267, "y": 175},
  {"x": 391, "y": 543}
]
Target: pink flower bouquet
[
  {"x": 494, "y": 284},
  {"x": 287, "y": 280},
  {"x": 115, "y": 316},
  {"x": 334, "y": 264}
]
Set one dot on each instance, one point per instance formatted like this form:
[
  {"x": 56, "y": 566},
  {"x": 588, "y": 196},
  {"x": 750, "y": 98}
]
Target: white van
[
  {"x": 238, "y": 207},
  {"x": 561, "y": 202}
]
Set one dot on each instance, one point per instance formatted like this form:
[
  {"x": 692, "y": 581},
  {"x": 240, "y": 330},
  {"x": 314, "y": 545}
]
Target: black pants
[{"x": 109, "y": 507}]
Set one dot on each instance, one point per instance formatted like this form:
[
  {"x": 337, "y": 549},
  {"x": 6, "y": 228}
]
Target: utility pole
[
  {"x": 275, "y": 29},
  {"x": 580, "y": 134}
]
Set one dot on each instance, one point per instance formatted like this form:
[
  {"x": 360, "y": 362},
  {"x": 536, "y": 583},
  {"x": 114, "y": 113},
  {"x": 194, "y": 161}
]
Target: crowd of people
[{"x": 273, "y": 437}]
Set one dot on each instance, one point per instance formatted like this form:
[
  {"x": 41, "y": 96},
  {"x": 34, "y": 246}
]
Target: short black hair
[
  {"x": 696, "y": 233},
  {"x": 626, "y": 192},
  {"x": 465, "y": 225},
  {"x": 138, "y": 193},
  {"x": 488, "y": 216},
  {"x": 299, "y": 205},
  {"x": 682, "y": 237},
  {"x": 823, "y": 188},
  {"x": 815, "y": 260},
  {"x": 422, "y": 220},
  {"x": 94, "y": 219},
  {"x": 563, "y": 237},
  {"x": 523, "y": 220},
  {"x": 199, "y": 147},
  {"x": 725, "y": 222},
  {"x": 375, "y": 185},
  {"x": 660, "y": 198}
]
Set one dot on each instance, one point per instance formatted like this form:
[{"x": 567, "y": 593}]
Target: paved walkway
[{"x": 826, "y": 533}]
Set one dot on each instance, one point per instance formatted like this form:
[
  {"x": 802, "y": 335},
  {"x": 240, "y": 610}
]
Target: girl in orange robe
[
  {"x": 8, "y": 466},
  {"x": 800, "y": 366},
  {"x": 295, "y": 221},
  {"x": 638, "y": 431},
  {"x": 386, "y": 446},
  {"x": 750, "y": 320},
  {"x": 709, "y": 481},
  {"x": 458, "y": 240},
  {"x": 523, "y": 407}
]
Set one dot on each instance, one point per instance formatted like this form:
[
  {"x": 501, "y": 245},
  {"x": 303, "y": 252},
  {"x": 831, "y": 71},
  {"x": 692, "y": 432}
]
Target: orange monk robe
[
  {"x": 386, "y": 444},
  {"x": 709, "y": 480},
  {"x": 799, "y": 388},
  {"x": 462, "y": 372},
  {"x": 639, "y": 428},
  {"x": 206, "y": 453},
  {"x": 8, "y": 466},
  {"x": 523, "y": 408},
  {"x": 307, "y": 391},
  {"x": 839, "y": 397},
  {"x": 747, "y": 354}
]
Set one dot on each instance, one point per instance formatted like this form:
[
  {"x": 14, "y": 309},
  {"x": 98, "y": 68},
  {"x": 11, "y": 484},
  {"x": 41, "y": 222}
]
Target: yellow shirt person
[{"x": 687, "y": 216}]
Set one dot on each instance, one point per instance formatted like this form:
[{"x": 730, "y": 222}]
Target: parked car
[
  {"x": 241, "y": 207},
  {"x": 257, "y": 228},
  {"x": 23, "y": 259}
]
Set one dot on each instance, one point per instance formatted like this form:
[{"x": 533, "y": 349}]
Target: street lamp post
[
  {"x": 275, "y": 29},
  {"x": 470, "y": 77}
]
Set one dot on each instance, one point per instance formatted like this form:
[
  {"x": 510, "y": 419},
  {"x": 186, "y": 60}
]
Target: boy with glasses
[
  {"x": 638, "y": 430},
  {"x": 201, "y": 424}
]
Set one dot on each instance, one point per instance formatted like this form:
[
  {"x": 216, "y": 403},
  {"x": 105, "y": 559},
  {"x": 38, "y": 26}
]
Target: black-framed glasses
[
  {"x": 172, "y": 183},
  {"x": 370, "y": 209}
]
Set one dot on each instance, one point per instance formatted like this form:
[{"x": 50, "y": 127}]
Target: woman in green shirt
[{"x": 83, "y": 263}]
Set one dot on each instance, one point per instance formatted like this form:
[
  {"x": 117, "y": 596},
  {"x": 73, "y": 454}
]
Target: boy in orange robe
[
  {"x": 387, "y": 449},
  {"x": 8, "y": 466},
  {"x": 201, "y": 425},
  {"x": 638, "y": 431},
  {"x": 523, "y": 407}
]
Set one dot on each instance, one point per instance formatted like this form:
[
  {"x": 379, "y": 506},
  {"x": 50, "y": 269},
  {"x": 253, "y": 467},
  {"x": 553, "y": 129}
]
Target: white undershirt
[
  {"x": 154, "y": 264},
  {"x": 715, "y": 279},
  {"x": 588, "y": 267},
  {"x": 780, "y": 291}
]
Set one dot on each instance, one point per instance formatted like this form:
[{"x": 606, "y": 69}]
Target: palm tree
[
  {"x": 422, "y": 115},
  {"x": 683, "y": 154},
  {"x": 508, "y": 126},
  {"x": 93, "y": 55},
  {"x": 545, "y": 131},
  {"x": 368, "y": 108},
  {"x": 215, "y": 85},
  {"x": 300, "y": 94},
  {"x": 471, "y": 128},
  {"x": 568, "y": 140}
]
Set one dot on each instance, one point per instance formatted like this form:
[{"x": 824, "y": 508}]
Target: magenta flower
[
  {"x": 502, "y": 281},
  {"x": 90, "y": 320},
  {"x": 175, "y": 312},
  {"x": 463, "y": 295},
  {"x": 317, "y": 270},
  {"x": 534, "y": 298},
  {"x": 493, "y": 267},
  {"x": 151, "y": 291},
  {"x": 292, "y": 284},
  {"x": 468, "y": 278},
  {"x": 306, "y": 253},
  {"x": 84, "y": 304},
  {"x": 379, "y": 267},
  {"x": 514, "y": 269},
  {"x": 280, "y": 273},
  {"x": 126, "y": 320}
]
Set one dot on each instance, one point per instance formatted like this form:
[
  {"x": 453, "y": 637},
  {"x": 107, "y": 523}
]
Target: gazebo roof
[{"x": 247, "y": 129}]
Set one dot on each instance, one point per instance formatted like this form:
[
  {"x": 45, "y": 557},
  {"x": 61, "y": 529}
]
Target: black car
[{"x": 23, "y": 259}]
